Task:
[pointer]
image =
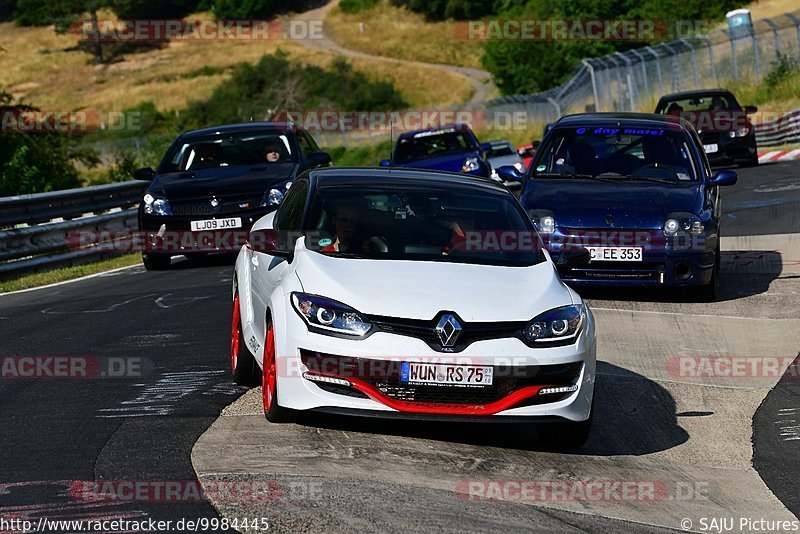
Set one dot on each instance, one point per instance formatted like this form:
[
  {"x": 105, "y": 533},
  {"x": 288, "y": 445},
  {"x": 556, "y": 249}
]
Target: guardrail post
[
  {"x": 694, "y": 62},
  {"x": 756, "y": 55},
  {"x": 711, "y": 63},
  {"x": 796, "y": 22},
  {"x": 594, "y": 83},
  {"x": 644, "y": 70},
  {"x": 776, "y": 38},
  {"x": 733, "y": 53},
  {"x": 658, "y": 68}
]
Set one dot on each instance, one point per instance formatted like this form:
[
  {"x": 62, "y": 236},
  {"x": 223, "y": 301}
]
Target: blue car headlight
[
  {"x": 557, "y": 325},
  {"x": 156, "y": 206},
  {"x": 326, "y": 316},
  {"x": 682, "y": 224},
  {"x": 470, "y": 165}
]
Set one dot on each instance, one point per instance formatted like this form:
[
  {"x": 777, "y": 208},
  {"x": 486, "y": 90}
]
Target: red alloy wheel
[
  {"x": 268, "y": 374},
  {"x": 235, "y": 333}
]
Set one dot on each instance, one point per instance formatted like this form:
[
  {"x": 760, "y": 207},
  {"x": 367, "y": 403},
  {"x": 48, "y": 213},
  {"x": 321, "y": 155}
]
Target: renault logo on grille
[
  {"x": 448, "y": 330},
  {"x": 609, "y": 220}
]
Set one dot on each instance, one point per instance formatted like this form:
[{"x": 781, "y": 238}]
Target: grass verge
[{"x": 43, "y": 278}]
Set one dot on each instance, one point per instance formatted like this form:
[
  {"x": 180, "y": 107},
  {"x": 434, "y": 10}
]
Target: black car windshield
[
  {"x": 398, "y": 222},
  {"x": 616, "y": 153},
  {"x": 706, "y": 102},
  {"x": 228, "y": 150},
  {"x": 432, "y": 144}
]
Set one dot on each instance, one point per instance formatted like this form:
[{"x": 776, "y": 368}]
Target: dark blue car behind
[
  {"x": 637, "y": 191},
  {"x": 451, "y": 148}
]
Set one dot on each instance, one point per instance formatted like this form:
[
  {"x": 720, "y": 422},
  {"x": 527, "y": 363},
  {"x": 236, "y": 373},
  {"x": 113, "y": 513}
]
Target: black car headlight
[
  {"x": 557, "y": 325},
  {"x": 324, "y": 315},
  {"x": 156, "y": 206},
  {"x": 682, "y": 224}
]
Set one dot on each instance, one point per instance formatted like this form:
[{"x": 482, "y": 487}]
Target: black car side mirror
[
  {"x": 317, "y": 159},
  {"x": 509, "y": 173},
  {"x": 146, "y": 174},
  {"x": 268, "y": 241},
  {"x": 571, "y": 258},
  {"x": 750, "y": 109}
]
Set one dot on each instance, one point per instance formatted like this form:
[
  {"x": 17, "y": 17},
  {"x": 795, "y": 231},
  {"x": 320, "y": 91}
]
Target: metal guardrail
[
  {"x": 53, "y": 219},
  {"x": 783, "y": 131}
]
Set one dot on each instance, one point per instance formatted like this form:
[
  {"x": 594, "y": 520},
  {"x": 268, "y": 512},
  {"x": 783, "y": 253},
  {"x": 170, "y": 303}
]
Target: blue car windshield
[
  {"x": 433, "y": 144},
  {"x": 617, "y": 153}
]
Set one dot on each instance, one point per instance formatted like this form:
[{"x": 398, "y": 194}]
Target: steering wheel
[
  {"x": 377, "y": 244},
  {"x": 652, "y": 170}
]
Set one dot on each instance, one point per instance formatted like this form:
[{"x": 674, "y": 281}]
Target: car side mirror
[
  {"x": 146, "y": 174},
  {"x": 572, "y": 257},
  {"x": 268, "y": 241},
  {"x": 750, "y": 109},
  {"x": 317, "y": 159},
  {"x": 486, "y": 146},
  {"x": 509, "y": 173},
  {"x": 385, "y": 163},
  {"x": 724, "y": 178}
]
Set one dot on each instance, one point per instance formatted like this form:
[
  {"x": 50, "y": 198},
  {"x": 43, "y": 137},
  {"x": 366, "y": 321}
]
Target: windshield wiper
[
  {"x": 632, "y": 177},
  {"x": 572, "y": 175}
]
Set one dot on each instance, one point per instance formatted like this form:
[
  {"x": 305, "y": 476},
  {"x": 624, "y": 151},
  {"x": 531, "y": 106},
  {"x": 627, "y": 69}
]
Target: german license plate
[
  {"x": 441, "y": 374},
  {"x": 615, "y": 253},
  {"x": 216, "y": 224},
  {"x": 710, "y": 149}
]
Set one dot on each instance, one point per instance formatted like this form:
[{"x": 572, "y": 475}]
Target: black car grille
[
  {"x": 384, "y": 375},
  {"x": 205, "y": 207},
  {"x": 426, "y": 330}
]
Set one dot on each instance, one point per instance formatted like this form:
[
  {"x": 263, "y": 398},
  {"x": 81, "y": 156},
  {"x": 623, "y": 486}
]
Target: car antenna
[{"x": 391, "y": 138}]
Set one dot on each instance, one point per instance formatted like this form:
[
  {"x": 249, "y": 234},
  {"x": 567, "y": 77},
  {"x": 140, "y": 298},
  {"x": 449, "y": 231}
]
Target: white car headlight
[
  {"x": 326, "y": 316},
  {"x": 741, "y": 132},
  {"x": 683, "y": 224},
  {"x": 558, "y": 324}
]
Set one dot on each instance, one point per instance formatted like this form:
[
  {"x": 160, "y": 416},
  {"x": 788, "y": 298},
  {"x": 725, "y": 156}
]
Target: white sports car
[{"x": 410, "y": 293}]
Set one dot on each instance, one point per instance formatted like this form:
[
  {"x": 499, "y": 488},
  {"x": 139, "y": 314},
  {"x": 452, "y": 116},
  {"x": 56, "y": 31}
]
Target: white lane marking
[
  {"x": 790, "y": 156},
  {"x": 161, "y": 398},
  {"x": 178, "y": 301},
  {"x": 688, "y": 314},
  {"x": 73, "y": 280},
  {"x": 790, "y": 429}
]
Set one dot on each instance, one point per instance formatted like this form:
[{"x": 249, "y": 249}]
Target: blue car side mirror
[
  {"x": 385, "y": 163},
  {"x": 724, "y": 178},
  {"x": 486, "y": 146},
  {"x": 509, "y": 173}
]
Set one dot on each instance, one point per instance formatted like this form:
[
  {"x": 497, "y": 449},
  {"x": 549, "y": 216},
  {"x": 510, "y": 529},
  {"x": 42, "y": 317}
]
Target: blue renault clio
[
  {"x": 451, "y": 148},
  {"x": 637, "y": 192}
]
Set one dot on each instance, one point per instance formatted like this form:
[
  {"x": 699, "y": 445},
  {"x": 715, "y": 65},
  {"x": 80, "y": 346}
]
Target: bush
[
  {"x": 276, "y": 84},
  {"x": 34, "y": 162},
  {"x": 783, "y": 68},
  {"x": 354, "y": 6},
  {"x": 453, "y": 9},
  {"x": 247, "y": 9}
]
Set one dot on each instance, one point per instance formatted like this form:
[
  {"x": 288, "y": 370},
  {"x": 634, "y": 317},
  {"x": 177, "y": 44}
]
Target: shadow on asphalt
[{"x": 633, "y": 416}]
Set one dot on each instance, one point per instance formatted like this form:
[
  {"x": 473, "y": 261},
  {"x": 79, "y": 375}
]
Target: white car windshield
[{"x": 430, "y": 224}]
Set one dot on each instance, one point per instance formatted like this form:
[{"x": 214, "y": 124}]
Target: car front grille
[
  {"x": 425, "y": 330},
  {"x": 384, "y": 375},
  {"x": 205, "y": 208}
]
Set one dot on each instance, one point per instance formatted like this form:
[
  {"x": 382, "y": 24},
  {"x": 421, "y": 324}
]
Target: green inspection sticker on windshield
[
  {"x": 540, "y": 168},
  {"x": 325, "y": 242}
]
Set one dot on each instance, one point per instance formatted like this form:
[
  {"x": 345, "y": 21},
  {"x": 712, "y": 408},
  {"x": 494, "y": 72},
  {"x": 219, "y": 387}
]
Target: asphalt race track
[{"x": 713, "y": 446}]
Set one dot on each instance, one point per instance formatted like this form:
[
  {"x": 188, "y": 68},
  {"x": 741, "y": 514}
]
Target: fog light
[
  {"x": 326, "y": 379},
  {"x": 563, "y": 389}
]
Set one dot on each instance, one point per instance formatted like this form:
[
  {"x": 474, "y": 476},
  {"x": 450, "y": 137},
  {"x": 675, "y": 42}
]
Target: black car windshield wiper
[
  {"x": 575, "y": 176},
  {"x": 636, "y": 177}
]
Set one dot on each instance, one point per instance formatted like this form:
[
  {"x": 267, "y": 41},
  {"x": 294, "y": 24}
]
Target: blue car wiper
[
  {"x": 572, "y": 175},
  {"x": 636, "y": 177}
]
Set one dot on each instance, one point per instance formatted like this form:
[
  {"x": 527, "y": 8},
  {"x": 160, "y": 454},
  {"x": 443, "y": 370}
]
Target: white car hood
[{"x": 420, "y": 290}]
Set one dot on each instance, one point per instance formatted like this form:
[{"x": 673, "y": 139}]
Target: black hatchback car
[
  {"x": 723, "y": 125},
  {"x": 214, "y": 183}
]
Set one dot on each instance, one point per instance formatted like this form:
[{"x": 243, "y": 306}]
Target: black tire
[
  {"x": 708, "y": 292},
  {"x": 567, "y": 435},
  {"x": 245, "y": 369},
  {"x": 156, "y": 262}
]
